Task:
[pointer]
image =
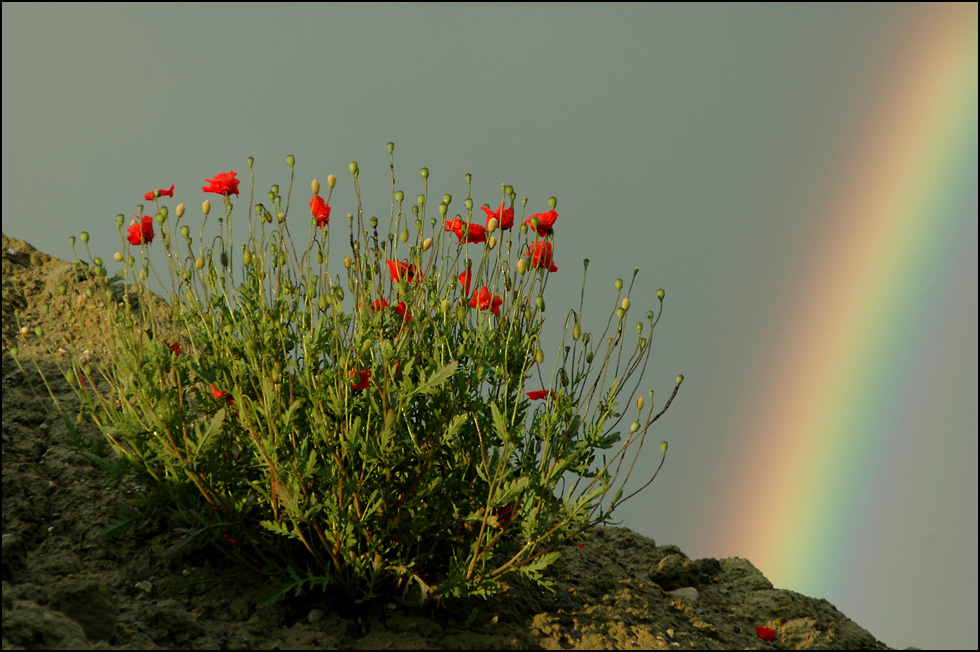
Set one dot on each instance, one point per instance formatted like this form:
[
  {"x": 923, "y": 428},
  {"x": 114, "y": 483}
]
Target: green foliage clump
[{"x": 395, "y": 424}]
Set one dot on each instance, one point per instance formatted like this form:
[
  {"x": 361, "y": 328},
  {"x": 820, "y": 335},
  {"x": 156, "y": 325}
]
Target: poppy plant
[
  {"x": 541, "y": 253},
  {"x": 546, "y": 222},
  {"x": 504, "y": 216},
  {"x": 475, "y": 232},
  {"x": 765, "y": 633},
  {"x": 153, "y": 194},
  {"x": 320, "y": 209},
  {"x": 484, "y": 300},
  {"x": 140, "y": 232},
  {"x": 225, "y": 184},
  {"x": 402, "y": 269},
  {"x": 362, "y": 378}
]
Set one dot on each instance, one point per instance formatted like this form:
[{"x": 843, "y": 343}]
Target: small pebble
[
  {"x": 145, "y": 587},
  {"x": 314, "y": 615},
  {"x": 688, "y": 593}
]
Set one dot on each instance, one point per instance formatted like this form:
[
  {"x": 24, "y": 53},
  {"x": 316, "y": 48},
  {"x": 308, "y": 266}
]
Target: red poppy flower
[
  {"x": 402, "y": 269},
  {"x": 379, "y": 304},
  {"x": 465, "y": 278},
  {"x": 320, "y": 209},
  {"x": 484, "y": 300},
  {"x": 362, "y": 378},
  {"x": 541, "y": 253},
  {"x": 153, "y": 194},
  {"x": 174, "y": 348},
  {"x": 539, "y": 394},
  {"x": 225, "y": 183},
  {"x": 219, "y": 394},
  {"x": 140, "y": 232},
  {"x": 504, "y": 216},
  {"x": 765, "y": 633},
  {"x": 475, "y": 234},
  {"x": 402, "y": 310},
  {"x": 504, "y": 514},
  {"x": 546, "y": 221}
]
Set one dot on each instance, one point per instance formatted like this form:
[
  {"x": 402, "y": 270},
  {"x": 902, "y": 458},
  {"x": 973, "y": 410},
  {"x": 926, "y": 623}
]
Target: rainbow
[{"x": 832, "y": 421}]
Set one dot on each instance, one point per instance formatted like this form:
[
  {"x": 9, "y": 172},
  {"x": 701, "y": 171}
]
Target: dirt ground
[{"x": 65, "y": 587}]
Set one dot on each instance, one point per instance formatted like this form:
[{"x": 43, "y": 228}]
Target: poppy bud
[
  {"x": 199, "y": 263},
  {"x": 626, "y": 303},
  {"x": 322, "y": 302},
  {"x": 642, "y": 343},
  {"x": 663, "y": 446},
  {"x": 639, "y": 328},
  {"x": 521, "y": 266},
  {"x": 650, "y": 315},
  {"x": 539, "y": 356},
  {"x": 404, "y": 235},
  {"x": 492, "y": 225},
  {"x": 120, "y": 219},
  {"x": 426, "y": 244},
  {"x": 281, "y": 217},
  {"x": 165, "y": 212},
  {"x": 552, "y": 202},
  {"x": 589, "y": 357},
  {"x": 634, "y": 426},
  {"x": 620, "y": 313},
  {"x": 315, "y": 186},
  {"x": 424, "y": 172},
  {"x": 660, "y": 294},
  {"x": 680, "y": 379},
  {"x": 492, "y": 241},
  {"x": 374, "y": 222},
  {"x": 185, "y": 231},
  {"x": 618, "y": 284},
  {"x": 247, "y": 257},
  {"x": 468, "y": 202},
  {"x": 118, "y": 257},
  {"x": 353, "y": 168},
  {"x": 206, "y": 206},
  {"x": 540, "y": 302},
  {"x": 290, "y": 160},
  {"x": 399, "y": 196},
  {"x": 180, "y": 210},
  {"x": 84, "y": 236},
  {"x": 98, "y": 261},
  {"x": 319, "y": 257},
  {"x": 639, "y": 402},
  {"x": 331, "y": 181},
  {"x": 576, "y": 332},
  {"x": 391, "y": 147}
]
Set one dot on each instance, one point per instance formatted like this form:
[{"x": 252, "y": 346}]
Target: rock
[{"x": 84, "y": 602}]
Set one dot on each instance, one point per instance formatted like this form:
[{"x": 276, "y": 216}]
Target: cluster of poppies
[{"x": 140, "y": 230}]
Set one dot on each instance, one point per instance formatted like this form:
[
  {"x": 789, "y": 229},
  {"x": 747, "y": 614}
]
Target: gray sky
[{"x": 693, "y": 142}]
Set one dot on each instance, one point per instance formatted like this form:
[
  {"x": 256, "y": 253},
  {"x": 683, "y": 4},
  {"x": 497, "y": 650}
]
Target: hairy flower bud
[
  {"x": 660, "y": 294},
  {"x": 399, "y": 196},
  {"x": 199, "y": 263},
  {"x": 84, "y": 236},
  {"x": 626, "y": 304},
  {"x": 331, "y": 180},
  {"x": 424, "y": 172},
  {"x": 680, "y": 379},
  {"x": 315, "y": 187},
  {"x": 290, "y": 160},
  {"x": 206, "y": 206},
  {"x": 576, "y": 332},
  {"x": 639, "y": 402},
  {"x": 426, "y": 244},
  {"x": 118, "y": 257},
  {"x": 618, "y": 284},
  {"x": 180, "y": 210}
]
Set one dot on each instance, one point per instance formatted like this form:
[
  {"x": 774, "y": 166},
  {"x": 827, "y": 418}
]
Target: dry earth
[{"x": 64, "y": 587}]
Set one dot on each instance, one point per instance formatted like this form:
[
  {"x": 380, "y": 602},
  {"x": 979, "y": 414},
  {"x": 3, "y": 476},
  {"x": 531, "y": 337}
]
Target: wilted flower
[{"x": 153, "y": 194}]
